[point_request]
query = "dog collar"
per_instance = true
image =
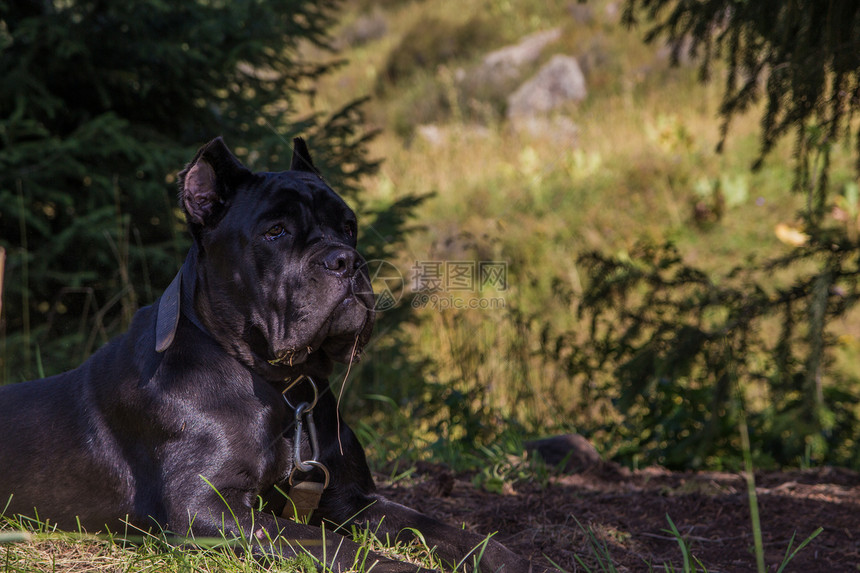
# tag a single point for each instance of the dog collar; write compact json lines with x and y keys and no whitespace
{"x":304,"y":495}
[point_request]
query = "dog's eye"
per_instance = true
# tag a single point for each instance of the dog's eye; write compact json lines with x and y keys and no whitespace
{"x":275,"y":231}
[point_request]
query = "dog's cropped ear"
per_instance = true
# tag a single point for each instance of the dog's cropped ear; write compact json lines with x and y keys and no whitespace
{"x":301,"y":157}
{"x":209,"y":182}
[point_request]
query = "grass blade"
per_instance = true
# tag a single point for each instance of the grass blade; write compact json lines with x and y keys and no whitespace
{"x":751,"y":493}
{"x":806,"y":542}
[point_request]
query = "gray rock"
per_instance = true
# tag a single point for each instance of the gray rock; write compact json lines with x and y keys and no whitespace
{"x":507,"y":62}
{"x":581,"y":13}
{"x":432,"y":134}
{"x":439,"y":135}
{"x":558,"y":82}
{"x":366,"y":28}
{"x":612,"y":12}
{"x":575,"y":452}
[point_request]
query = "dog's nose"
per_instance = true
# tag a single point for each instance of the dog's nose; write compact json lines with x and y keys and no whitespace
{"x":342,"y":262}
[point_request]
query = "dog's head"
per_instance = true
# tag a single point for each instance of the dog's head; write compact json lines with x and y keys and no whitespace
{"x":279,"y":282}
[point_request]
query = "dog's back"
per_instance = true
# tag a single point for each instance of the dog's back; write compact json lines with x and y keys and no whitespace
{"x":58,"y":431}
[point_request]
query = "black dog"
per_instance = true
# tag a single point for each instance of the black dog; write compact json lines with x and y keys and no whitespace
{"x":215,"y":403}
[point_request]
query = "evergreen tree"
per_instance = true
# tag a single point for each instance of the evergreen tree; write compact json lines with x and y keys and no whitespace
{"x":801,"y":56}
{"x":100,"y":104}
{"x":691,"y":350}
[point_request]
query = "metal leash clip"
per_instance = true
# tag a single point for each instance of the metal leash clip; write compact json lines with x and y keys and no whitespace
{"x":304,"y":496}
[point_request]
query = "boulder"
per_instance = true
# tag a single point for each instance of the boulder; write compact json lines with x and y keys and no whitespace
{"x":574,"y":451}
{"x":366,"y":28}
{"x":441,"y":135}
{"x":506,"y":63}
{"x":558,"y":82}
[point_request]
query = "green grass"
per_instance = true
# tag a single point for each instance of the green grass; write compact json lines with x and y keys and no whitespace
{"x":28,"y":545}
{"x":35,"y":547}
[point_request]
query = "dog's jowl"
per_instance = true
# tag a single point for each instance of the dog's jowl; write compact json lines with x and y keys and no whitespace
{"x":217,"y":397}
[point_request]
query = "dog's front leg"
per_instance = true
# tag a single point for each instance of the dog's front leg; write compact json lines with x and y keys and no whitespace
{"x":456,"y":547}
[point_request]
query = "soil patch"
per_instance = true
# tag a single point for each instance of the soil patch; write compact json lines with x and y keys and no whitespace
{"x":627,"y":514}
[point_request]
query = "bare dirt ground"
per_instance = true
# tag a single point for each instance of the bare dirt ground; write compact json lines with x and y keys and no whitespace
{"x":627,"y":511}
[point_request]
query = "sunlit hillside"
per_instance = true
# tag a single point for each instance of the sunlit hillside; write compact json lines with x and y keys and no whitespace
{"x":633,"y":161}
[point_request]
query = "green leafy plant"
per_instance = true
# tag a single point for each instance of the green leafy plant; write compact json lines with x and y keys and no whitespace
{"x":675,"y":339}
